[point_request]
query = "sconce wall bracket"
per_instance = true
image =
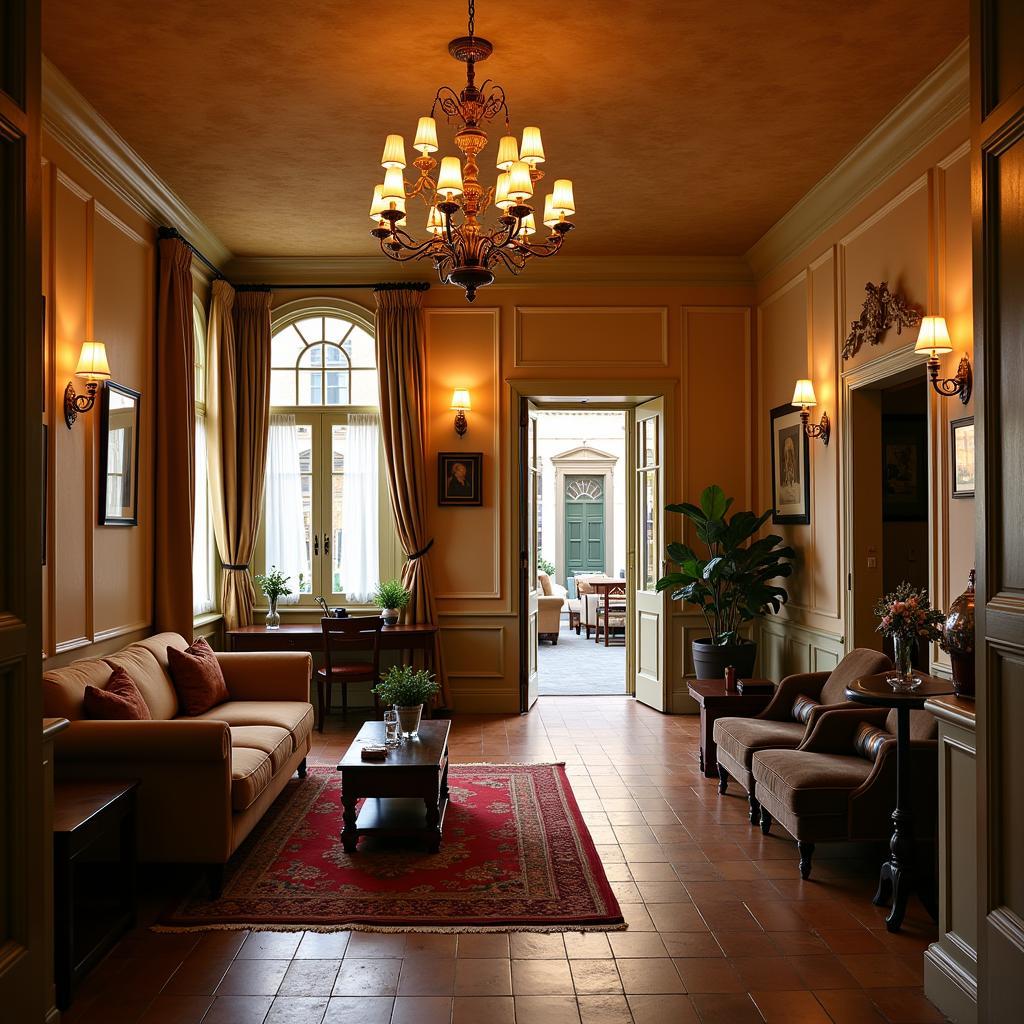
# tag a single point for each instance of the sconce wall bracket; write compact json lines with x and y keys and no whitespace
{"x":823,"y":429}
{"x":75,"y":403}
{"x":962,"y":384}
{"x":461,"y":423}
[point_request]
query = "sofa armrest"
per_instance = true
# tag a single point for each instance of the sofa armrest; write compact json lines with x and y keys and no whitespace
{"x":834,"y":728}
{"x":781,"y":705}
{"x":146,"y":741}
{"x":267,"y":675}
{"x":550,"y":601}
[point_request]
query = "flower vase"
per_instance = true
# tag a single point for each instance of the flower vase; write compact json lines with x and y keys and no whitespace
{"x":273,"y":616}
{"x":958,"y":640}
{"x":409,"y":720}
{"x":903,"y":677}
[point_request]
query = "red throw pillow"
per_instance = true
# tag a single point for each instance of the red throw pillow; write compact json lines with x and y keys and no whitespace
{"x":197,"y":677}
{"x":120,"y":700}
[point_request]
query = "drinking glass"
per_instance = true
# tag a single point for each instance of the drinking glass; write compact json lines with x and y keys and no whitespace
{"x":392,"y":733}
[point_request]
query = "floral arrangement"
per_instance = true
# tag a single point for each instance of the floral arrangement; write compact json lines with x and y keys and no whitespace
{"x":391,"y":594}
{"x":274,"y":583}
{"x":907,"y":613}
{"x":405,"y":687}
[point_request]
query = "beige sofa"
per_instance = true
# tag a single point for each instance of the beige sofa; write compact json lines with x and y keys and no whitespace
{"x":207,"y":780}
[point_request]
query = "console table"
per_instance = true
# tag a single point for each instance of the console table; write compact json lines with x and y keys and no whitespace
{"x":717,"y":702}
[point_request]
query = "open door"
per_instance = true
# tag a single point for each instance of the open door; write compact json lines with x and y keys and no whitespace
{"x":528,"y":586}
{"x":648,"y":541}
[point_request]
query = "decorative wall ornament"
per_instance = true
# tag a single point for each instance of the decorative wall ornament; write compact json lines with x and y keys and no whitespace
{"x":882,"y":310}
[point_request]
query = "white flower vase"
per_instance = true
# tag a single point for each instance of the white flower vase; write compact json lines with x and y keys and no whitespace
{"x":273,"y":616}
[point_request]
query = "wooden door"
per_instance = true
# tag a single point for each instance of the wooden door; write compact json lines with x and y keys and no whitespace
{"x":648,"y":646}
{"x":529,"y":588}
{"x":26,"y":988}
{"x":997,"y":155}
{"x":584,"y":525}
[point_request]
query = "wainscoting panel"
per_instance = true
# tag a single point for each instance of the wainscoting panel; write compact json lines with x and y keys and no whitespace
{"x":579,"y":336}
{"x":785,"y":648}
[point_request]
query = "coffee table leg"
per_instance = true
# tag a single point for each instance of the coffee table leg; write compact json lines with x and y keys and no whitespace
{"x":433,"y":823}
{"x":349,"y":835}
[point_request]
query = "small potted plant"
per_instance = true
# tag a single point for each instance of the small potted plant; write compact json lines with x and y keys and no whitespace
{"x":906,"y":615}
{"x":408,"y":689}
{"x":274,"y":585}
{"x":391,"y":597}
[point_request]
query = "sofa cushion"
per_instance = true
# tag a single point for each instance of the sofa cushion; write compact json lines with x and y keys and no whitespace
{"x":804,"y":782}
{"x":64,"y":688}
{"x":294,"y":716}
{"x":197,"y":677}
{"x":120,"y":700}
{"x":150,"y":676}
{"x":742,"y":737}
{"x":802,"y":708}
{"x":858,"y":663}
{"x":271,"y":739}
{"x":251,"y":772}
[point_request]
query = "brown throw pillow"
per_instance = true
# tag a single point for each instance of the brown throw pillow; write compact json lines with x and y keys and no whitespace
{"x":197,"y":677}
{"x":120,"y":700}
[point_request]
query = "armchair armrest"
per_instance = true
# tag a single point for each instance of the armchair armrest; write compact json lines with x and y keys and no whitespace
{"x":267,"y":675}
{"x":176,"y":740}
{"x":833,"y":729}
{"x":807,"y":683}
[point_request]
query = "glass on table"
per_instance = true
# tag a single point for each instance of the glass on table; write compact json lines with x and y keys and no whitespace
{"x":392,"y":732}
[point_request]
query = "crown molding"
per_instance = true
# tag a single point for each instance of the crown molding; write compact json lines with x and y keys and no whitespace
{"x":82,"y":130}
{"x":561,"y":270}
{"x":930,"y":108}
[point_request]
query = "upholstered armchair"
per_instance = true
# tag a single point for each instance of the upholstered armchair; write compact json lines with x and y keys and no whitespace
{"x":840,"y":784}
{"x":798,"y":702}
{"x":549,"y":608}
{"x":588,"y":603}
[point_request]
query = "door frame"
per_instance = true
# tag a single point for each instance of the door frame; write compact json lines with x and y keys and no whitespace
{"x":572,"y":463}
{"x":616,"y":396}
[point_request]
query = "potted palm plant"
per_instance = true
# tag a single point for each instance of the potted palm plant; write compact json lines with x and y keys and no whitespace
{"x":391,"y":597}
{"x":731,"y":585}
{"x":408,"y":689}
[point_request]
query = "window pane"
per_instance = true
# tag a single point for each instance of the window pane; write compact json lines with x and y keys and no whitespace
{"x":337,"y":387}
{"x":312,"y":329}
{"x":338,"y":433}
{"x":361,"y":347}
{"x":649,"y":538}
{"x":199,"y":333}
{"x":651,"y":442}
{"x":335,"y":328}
{"x":335,"y":357}
{"x":305,"y":438}
{"x":282,"y":387}
{"x":364,"y":387}
{"x":313,"y":356}
{"x":311,"y":386}
{"x":202,"y":547}
{"x":286,"y":347}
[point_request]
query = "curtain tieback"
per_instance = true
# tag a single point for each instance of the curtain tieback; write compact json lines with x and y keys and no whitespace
{"x":237,"y":567}
{"x":422,"y":551}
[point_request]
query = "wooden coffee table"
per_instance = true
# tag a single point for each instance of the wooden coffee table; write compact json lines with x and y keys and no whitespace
{"x":406,"y":795}
{"x":715,"y":702}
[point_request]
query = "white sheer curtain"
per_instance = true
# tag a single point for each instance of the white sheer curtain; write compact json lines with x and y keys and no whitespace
{"x":359,"y":509}
{"x":202,"y":556}
{"x":286,"y":528}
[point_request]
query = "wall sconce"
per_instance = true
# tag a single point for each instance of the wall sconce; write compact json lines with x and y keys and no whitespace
{"x":92,"y":368}
{"x":803,"y":396}
{"x":461,"y":405}
{"x":933,"y":341}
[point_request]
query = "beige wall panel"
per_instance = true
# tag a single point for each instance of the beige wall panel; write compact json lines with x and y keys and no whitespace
{"x":74,"y":470}
{"x":123,"y":273}
{"x":591,"y":336}
{"x":474,"y":651}
{"x":648,"y":646}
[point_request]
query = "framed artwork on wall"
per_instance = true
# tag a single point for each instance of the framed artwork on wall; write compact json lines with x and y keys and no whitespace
{"x":963,"y":457}
{"x":119,"y":456}
{"x":460,"y":478}
{"x":791,"y":468}
{"x":904,"y":468}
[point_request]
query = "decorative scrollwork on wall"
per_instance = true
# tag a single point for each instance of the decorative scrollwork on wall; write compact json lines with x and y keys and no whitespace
{"x":882,"y":310}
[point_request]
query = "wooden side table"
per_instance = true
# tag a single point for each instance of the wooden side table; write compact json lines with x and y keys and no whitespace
{"x":716,"y":703}
{"x":86,"y":922}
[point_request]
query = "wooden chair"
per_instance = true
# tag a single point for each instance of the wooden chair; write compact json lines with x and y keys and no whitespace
{"x":358,"y":633}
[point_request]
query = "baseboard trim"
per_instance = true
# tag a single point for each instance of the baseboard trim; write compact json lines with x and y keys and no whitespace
{"x":949,"y":986}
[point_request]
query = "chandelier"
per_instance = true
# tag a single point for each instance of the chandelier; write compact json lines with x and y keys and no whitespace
{"x":465,"y":251}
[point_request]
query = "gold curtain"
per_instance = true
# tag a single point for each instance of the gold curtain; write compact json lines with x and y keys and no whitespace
{"x":237,"y":417}
{"x":401,"y":371}
{"x":175,"y":441}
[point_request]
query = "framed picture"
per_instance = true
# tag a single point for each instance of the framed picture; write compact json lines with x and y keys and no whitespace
{"x":963,"y":457}
{"x":119,"y":456}
{"x":791,"y":468}
{"x":904,"y":468}
{"x":460,"y":478}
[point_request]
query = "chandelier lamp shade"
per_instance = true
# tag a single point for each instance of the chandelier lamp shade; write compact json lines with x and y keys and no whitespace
{"x":472,"y":229}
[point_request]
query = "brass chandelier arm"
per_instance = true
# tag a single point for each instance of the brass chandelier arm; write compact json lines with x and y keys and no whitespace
{"x":410,"y":250}
{"x":508,"y":257}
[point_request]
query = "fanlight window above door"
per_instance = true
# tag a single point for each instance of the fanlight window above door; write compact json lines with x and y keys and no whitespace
{"x":584,"y":488}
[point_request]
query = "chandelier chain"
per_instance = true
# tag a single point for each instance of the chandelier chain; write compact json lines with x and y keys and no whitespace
{"x":472,"y":17}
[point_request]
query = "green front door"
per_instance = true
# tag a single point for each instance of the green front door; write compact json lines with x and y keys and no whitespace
{"x":584,"y":524}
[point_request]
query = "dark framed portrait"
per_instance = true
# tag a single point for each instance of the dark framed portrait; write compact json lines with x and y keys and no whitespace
{"x":791,"y":468}
{"x":460,"y":478}
{"x":119,"y":456}
{"x":904,"y":468}
{"x":962,"y":447}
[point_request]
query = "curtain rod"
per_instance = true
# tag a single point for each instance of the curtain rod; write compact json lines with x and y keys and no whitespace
{"x":380,"y":286}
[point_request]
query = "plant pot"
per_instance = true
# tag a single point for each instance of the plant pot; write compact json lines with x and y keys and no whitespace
{"x":390,"y":616}
{"x":711,"y":660}
{"x":273,"y":616}
{"x":409,"y":720}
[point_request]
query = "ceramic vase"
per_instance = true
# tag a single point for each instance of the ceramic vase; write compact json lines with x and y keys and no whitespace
{"x":958,"y":640}
{"x":390,"y":616}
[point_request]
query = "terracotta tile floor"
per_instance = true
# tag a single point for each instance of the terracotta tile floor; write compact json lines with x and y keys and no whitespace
{"x":721,"y":928}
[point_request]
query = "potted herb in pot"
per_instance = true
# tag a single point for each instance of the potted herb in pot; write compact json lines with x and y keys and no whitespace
{"x":391,"y":597}
{"x":274,"y":585}
{"x":731,"y":585}
{"x":408,"y":689}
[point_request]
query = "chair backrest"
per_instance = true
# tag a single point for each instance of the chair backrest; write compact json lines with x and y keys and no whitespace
{"x":355,"y":633}
{"x":860,"y":662}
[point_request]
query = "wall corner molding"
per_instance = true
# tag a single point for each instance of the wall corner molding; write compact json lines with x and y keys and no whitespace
{"x":929,"y":109}
{"x":82,"y":130}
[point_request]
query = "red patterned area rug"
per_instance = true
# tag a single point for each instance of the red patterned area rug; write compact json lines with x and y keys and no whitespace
{"x":515,"y":854}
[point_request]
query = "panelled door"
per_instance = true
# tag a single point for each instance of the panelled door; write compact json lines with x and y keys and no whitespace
{"x":648,"y":543}
{"x":584,"y":524}
{"x":529,"y":590}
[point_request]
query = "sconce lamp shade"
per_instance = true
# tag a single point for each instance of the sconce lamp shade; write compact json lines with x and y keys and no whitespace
{"x":450,"y":178}
{"x":501,"y":196}
{"x":92,"y":363}
{"x":394,"y":184}
{"x":520,"y":184}
{"x":532,"y":149}
{"x":550,"y":217}
{"x":933,"y":337}
{"x":562,"y":200}
{"x":394,"y":152}
{"x":803,"y":394}
{"x":426,"y":136}
{"x":379,"y":203}
{"x":508,"y":152}
{"x":527,"y":227}
{"x":460,"y":400}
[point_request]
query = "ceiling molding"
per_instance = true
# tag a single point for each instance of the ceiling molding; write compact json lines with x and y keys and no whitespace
{"x":931,"y":107}
{"x":561,"y":270}
{"x":82,"y":130}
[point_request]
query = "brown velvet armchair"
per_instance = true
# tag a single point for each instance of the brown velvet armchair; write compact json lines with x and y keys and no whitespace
{"x":840,"y":783}
{"x":798,"y":702}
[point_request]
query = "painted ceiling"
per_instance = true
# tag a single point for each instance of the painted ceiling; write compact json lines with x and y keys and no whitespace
{"x":687,"y":127}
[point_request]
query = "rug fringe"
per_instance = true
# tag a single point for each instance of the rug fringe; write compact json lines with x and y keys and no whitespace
{"x":390,"y":929}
